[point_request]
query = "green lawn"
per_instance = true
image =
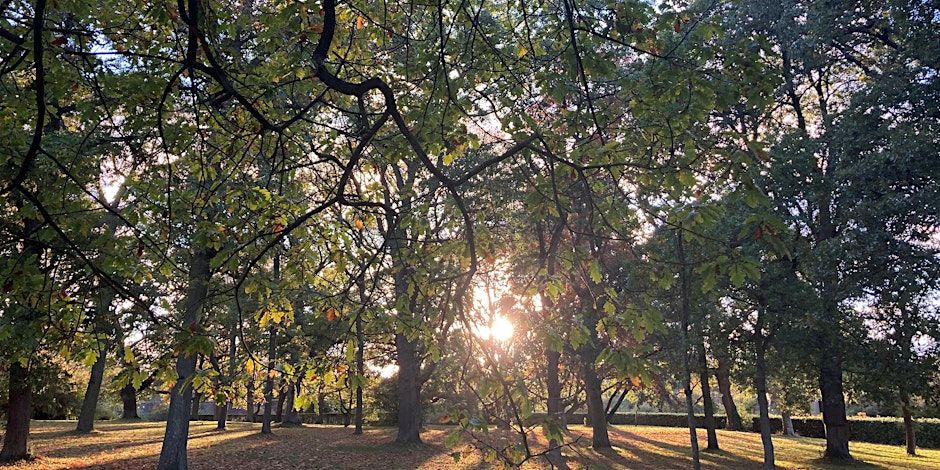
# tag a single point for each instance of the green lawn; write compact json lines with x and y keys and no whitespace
{"x":119,"y":445}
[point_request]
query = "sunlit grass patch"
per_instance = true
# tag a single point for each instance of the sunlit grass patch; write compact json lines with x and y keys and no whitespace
{"x":119,"y":445}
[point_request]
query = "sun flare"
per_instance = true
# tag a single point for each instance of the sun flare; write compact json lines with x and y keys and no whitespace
{"x":499,"y":329}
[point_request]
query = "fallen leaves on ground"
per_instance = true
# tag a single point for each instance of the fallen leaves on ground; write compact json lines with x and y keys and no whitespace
{"x":121,"y":445}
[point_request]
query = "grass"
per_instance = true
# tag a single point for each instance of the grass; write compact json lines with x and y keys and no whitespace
{"x":118,"y":445}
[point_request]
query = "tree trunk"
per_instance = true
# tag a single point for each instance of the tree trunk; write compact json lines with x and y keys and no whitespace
{"x":232,"y":351}
{"x":194,"y":407}
{"x":555,"y":409}
{"x":221,"y":416}
{"x":613,"y":407}
{"x":269,"y":381}
{"x":360,"y":367}
{"x":760,"y":384}
{"x":787,"y":421}
{"x":129,"y":399}
{"x":250,"y":400}
{"x":173,"y":453}
{"x":733,"y":422}
{"x":684,"y":307}
{"x":291,"y":415}
{"x":909,"y":440}
{"x":86,"y":418}
{"x":707,"y":399}
{"x":409,"y":403}
{"x":595,"y":402}
{"x":321,"y":406}
{"x":833,"y":406}
{"x":281,"y":397}
{"x":19,"y":408}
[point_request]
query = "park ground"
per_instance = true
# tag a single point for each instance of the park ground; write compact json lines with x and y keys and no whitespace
{"x":121,"y":445}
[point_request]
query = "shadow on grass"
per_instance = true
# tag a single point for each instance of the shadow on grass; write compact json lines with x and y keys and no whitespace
{"x":827,"y":463}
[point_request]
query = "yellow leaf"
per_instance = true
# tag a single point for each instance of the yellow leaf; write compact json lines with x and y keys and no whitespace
{"x":521,"y":51}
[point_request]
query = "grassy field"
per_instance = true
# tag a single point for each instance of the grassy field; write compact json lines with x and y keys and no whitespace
{"x":119,"y":445}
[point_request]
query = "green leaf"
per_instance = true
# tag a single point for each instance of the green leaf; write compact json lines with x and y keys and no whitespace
{"x":595,"y":272}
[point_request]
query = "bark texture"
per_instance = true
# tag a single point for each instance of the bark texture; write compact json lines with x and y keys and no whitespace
{"x":909,"y":438}
{"x":833,"y":407}
{"x":707,"y":400}
{"x":760,"y":384}
{"x":723,"y":376}
{"x":409,"y":403}
{"x":173,"y":453}
{"x":86,"y":418}
{"x":19,"y":408}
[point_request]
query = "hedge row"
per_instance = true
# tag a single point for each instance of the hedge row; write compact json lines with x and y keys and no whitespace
{"x":673,"y":420}
{"x":875,"y":430}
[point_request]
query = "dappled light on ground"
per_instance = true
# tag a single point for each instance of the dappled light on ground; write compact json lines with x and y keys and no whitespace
{"x":120,"y":445}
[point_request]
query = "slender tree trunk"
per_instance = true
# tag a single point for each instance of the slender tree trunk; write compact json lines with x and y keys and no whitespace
{"x":194,"y":407}
{"x":595,"y":402}
{"x":232,"y":351}
{"x":833,"y":406}
{"x":269,"y":381}
{"x":360,"y":369}
{"x":173,"y":453}
{"x":787,"y":420}
{"x":684,"y":307}
{"x":760,"y":384}
{"x":909,"y":438}
{"x":129,"y":400}
{"x":409,"y":403}
{"x":291,"y":415}
{"x":221,"y":416}
{"x":555,"y":409}
{"x":613,"y":407}
{"x":250,"y":400}
{"x":707,"y":399}
{"x":19,"y":408}
{"x":86,"y":418}
{"x":548,"y":252}
{"x":733,"y":422}
{"x":321,"y":406}
{"x":281,"y":398}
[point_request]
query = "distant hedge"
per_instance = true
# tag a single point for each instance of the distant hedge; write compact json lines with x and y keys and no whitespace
{"x":875,"y":430}
{"x":672,"y":420}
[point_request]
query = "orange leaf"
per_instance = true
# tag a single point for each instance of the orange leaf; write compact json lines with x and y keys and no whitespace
{"x":360,"y":22}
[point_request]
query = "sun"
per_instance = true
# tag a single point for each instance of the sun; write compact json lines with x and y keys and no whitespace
{"x":501,"y":328}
